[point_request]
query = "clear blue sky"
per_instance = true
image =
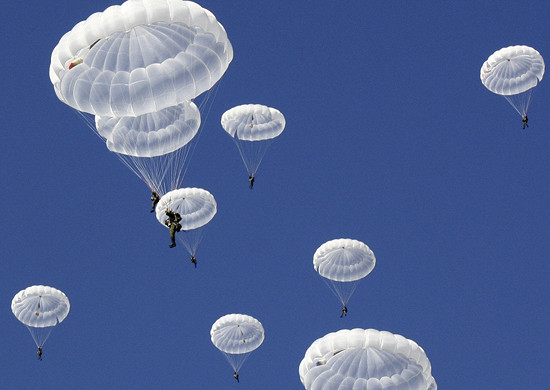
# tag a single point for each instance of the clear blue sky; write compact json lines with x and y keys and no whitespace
{"x":391,"y":139}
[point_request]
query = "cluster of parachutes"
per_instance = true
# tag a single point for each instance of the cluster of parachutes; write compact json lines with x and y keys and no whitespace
{"x":513,"y":72}
{"x":359,"y":359}
{"x":138,"y":68}
{"x":42,"y":308}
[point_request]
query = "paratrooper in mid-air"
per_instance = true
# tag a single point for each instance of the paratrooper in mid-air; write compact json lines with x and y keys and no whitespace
{"x":173,"y":222}
{"x":344,"y":311}
{"x":155,"y":197}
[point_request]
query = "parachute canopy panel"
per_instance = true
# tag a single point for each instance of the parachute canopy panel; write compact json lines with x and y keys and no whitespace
{"x":40,"y":306}
{"x":512,"y":70}
{"x":139,"y":57}
{"x":366,"y":359}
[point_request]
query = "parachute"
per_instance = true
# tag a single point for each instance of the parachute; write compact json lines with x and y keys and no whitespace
{"x":236,"y":336}
{"x":343,"y":263}
{"x":140,"y":57}
{"x":154,"y":146}
{"x":513,"y":72}
{"x":253,"y":127}
{"x":136,"y":67}
{"x":40,"y":308}
{"x":196,"y":207}
{"x":366,"y":359}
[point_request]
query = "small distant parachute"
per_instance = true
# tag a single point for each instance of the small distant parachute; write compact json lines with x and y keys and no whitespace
{"x":513,"y":72}
{"x":343,"y":263}
{"x":155,"y":146}
{"x":253,"y":127}
{"x":196,"y":207}
{"x":236,"y":336}
{"x":40,"y":308}
{"x":366,"y":359}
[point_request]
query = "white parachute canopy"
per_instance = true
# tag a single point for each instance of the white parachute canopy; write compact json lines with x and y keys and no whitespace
{"x":196,"y":207}
{"x":342,"y":263}
{"x":40,"y":308}
{"x":155,"y":146}
{"x":253,"y":127}
{"x":513,"y":72}
{"x":140,"y":57}
{"x":236,"y":336}
{"x":366,"y":359}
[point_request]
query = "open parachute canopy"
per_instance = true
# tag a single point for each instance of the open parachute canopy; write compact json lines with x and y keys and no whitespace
{"x":236,"y":336}
{"x":155,"y":146}
{"x":253,"y":127}
{"x":366,"y":359}
{"x":40,"y":308}
{"x":140,"y":57}
{"x":343,"y":263}
{"x":196,"y":208}
{"x":512,"y":72}
{"x":153,"y":134}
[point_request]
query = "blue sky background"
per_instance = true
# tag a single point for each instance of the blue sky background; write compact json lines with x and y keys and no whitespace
{"x":391,"y":139}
